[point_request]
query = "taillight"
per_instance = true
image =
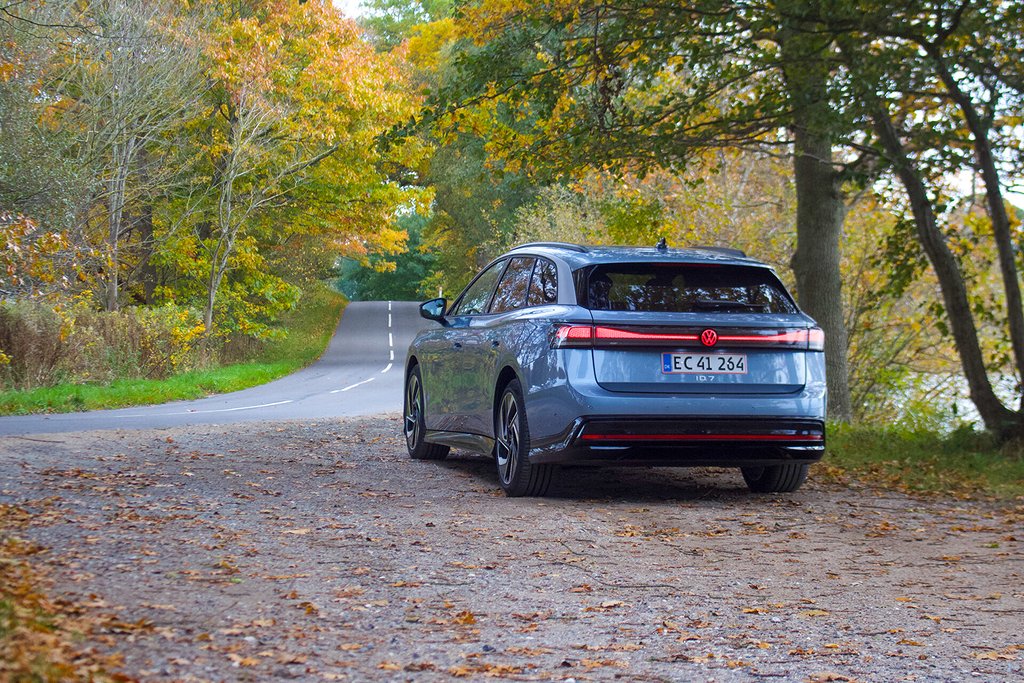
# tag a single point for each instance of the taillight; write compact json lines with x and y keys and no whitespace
{"x":815,"y":339}
{"x":587,"y":336}
{"x":617,"y":334}
{"x":572,"y":336}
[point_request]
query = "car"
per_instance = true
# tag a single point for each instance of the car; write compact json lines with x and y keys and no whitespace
{"x":561,"y":354}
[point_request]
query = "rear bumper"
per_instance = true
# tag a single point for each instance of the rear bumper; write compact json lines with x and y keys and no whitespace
{"x":679,"y":440}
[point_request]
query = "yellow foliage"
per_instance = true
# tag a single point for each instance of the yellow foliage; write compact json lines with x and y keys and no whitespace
{"x":425,"y":47}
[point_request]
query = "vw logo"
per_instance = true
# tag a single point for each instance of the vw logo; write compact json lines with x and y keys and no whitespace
{"x":708,"y":337}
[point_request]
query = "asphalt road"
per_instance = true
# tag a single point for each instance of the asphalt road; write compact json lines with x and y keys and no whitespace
{"x":359,"y":374}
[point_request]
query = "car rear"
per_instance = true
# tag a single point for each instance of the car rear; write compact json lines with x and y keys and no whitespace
{"x":688,"y":359}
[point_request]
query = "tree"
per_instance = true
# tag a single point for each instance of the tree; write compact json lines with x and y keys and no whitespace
{"x":131,"y":79}
{"x":297,"y":99}
{"x":401,"y":279}
{"x":392,"y":21}
{"x":938,"y":84}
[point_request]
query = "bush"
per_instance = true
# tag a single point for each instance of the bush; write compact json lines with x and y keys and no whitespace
{"x":43,"y":346}
{"x":32,"y":345}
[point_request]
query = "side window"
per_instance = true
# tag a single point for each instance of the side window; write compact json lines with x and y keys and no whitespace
{"x":475,"y":299}
{"x":515,"y":283}
{"x":544,"y":286}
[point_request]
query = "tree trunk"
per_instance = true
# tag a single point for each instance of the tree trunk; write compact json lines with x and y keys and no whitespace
{"x":148,"y":274}
{"x":820,"y":210}
{"x":815,"y":263}
{"x":1001,"y":231}
{"x":998,"y":418}
{"x":114,"y":215}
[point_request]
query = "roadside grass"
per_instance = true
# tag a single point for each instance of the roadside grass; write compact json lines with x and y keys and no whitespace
{"x":309,"y":326}
{"x":964,"y":464}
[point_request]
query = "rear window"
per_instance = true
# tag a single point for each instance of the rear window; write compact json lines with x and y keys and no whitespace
{"x":681,"y":288}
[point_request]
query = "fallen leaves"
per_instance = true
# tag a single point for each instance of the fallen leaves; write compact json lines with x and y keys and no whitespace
{"x":465,"y":618}
{"x":605,"y":606}
{"x":37,"y":633}
{"x":829,"y":677}
{"x":1006,"y":654}
{"x":488,"y":670}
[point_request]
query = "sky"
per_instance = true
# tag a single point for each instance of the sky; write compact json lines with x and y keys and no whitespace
{"x":351,"y":8}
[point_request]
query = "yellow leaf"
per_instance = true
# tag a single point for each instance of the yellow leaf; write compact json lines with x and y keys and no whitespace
{"x":465,"y":617}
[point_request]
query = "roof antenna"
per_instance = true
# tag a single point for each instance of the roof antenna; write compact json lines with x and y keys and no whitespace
{"x":662,"y":245}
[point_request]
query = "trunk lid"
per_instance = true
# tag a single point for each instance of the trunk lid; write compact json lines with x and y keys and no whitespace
{"x":664,"y":353}
{"x":695,"y":328}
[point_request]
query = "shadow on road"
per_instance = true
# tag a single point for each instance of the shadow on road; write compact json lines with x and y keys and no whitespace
{"x":618,"y":484}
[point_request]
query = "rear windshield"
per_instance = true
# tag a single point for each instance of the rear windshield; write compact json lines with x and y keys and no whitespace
{"x":681,"y":288}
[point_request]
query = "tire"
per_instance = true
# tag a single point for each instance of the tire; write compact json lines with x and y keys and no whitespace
{"x":516,"y":474}
{"x":414,"y":426}
{"x":775,"y":478}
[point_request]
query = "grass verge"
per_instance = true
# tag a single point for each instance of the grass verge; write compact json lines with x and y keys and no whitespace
{"x":309,"y":326}
{"x":965,"y":464}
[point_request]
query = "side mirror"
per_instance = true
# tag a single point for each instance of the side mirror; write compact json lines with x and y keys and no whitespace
{"x":434,"y":310}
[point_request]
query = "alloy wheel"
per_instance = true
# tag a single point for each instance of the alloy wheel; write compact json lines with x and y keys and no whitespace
{"x":413,"y":411}
{"x":507,"y":449}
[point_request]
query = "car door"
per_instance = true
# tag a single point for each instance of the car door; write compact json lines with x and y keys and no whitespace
{"x":488,"y":333}
{"x":466,"y":342}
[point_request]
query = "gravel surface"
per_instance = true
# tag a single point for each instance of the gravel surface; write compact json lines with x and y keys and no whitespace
{"x":319,"y":551}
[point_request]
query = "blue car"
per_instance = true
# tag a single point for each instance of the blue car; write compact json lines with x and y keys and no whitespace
{"x":564,"y":354}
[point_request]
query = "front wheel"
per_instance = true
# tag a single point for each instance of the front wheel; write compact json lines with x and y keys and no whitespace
{"x":775,"y":478}
{"x":517,"y":475}
{"x":415,"y":427}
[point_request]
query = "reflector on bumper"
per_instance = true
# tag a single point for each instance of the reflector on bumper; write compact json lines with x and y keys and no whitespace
{"x":659,"y":432}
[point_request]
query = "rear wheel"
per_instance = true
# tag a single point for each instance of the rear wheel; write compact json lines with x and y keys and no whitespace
{"x":517,"y":475}
{"x":784,"y":478}
{"x":414,"y":424}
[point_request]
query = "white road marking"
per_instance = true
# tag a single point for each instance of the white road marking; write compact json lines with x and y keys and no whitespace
{"x":353,"y":386}
{"x":218,"y":410}
{"x":391,"y":343}
{"x":228,"y":410}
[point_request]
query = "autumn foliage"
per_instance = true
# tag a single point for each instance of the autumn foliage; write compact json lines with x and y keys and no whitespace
{"x":205,"y":160}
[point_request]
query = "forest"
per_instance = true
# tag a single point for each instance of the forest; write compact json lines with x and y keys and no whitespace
{"x":177,"y":177}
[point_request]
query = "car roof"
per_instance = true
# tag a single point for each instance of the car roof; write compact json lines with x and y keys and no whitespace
{"x":578,"y":256}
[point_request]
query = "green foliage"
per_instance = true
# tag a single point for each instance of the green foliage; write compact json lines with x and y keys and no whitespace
{"x":391,"y":21}
{"x":399,"y":278}
{"x":474,"y":203}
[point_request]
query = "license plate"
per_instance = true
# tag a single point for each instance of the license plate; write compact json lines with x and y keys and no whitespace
{"x":704,"y":363}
